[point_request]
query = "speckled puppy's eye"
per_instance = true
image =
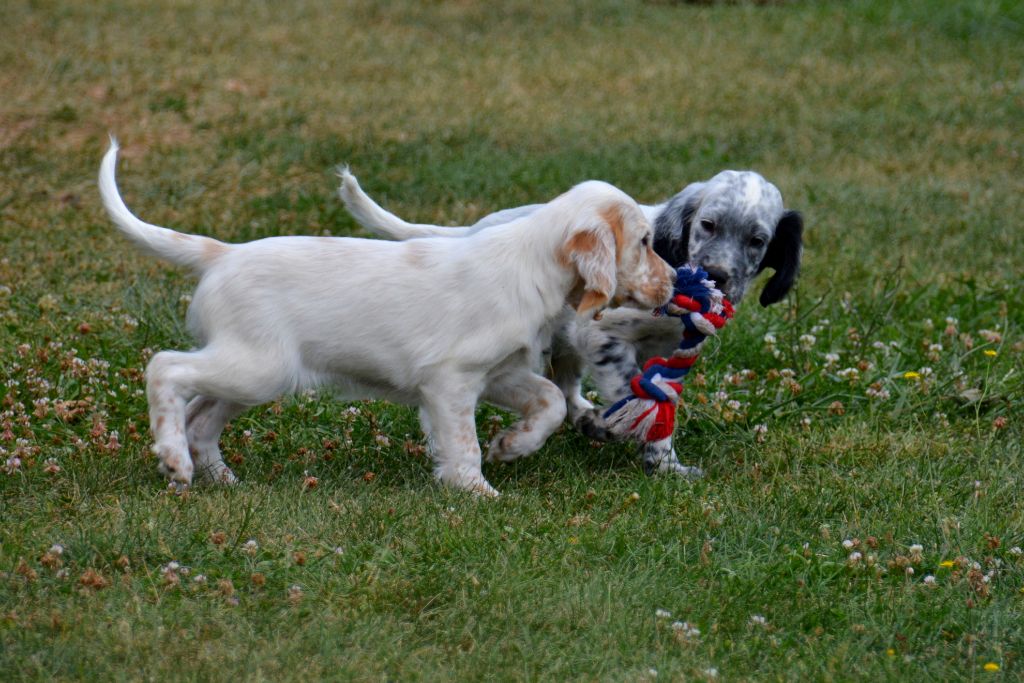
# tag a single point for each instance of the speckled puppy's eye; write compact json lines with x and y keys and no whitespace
{"x":756,"y":242}
{"x":707,"y":224}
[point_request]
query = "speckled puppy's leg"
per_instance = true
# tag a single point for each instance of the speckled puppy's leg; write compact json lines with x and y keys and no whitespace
{"x":612,"y":364}
{"x":660,"y":457}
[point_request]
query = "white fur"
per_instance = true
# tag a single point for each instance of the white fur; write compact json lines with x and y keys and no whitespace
{"x":437,"y":323}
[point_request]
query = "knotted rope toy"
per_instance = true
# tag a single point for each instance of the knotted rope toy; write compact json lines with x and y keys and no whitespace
{"x":649,"y":413}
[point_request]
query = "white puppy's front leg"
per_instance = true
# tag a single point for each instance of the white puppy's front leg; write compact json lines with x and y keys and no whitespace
{"x":449,"y":410}
{"x":537,"y":400}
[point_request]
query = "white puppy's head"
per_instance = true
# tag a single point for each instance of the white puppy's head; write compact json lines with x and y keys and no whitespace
{"x":610,"y":248}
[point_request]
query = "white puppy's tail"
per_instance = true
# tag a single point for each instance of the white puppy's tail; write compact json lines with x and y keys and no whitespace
{"x":193,"y":251}
{"x":371,"y":216}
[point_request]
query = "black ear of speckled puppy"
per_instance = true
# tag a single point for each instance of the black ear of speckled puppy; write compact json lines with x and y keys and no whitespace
{"x":672,"y":231}
{"x":783,"y":256}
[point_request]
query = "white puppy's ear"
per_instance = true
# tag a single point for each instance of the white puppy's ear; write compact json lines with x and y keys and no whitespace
{"x":591,"y":253}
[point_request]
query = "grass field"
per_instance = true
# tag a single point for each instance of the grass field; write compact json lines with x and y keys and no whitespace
{"x":871,"y":529}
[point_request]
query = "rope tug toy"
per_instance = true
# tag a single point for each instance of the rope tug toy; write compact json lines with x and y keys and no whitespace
{"x":649,"y":413}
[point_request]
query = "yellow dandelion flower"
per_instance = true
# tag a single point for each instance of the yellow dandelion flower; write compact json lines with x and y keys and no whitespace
{"x":947,"y":563}
{"x":991,"y":354}
{"x":891,"y":652}
{"x":990,"y":666}
{"x":910,"y":374}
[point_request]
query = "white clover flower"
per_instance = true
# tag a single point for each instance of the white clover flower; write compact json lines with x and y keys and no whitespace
{"x":760,"y":432}
{"x":929,"y":580}
{"x":662,"y":614}
{"x":57,"y":549}
{"x":854,"y":557}
{"x":684,"y":629}
{"x":850,"y":374}
{"x":250,"y":547}
{"x":1015,"y":550}
{"x":769,"y":339}
{"x":711,"y":672}
{"x":338,"y":550}
{"x":758,"y":620}
{"x":199,"y":579}
{"x":878,"y":393}
{"x":807,"y":341}
{"x":831,"y":359}
{"x":909,"y":571}
{"x":991,"y":336}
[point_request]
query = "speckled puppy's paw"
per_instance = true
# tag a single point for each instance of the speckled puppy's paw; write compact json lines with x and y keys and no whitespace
{"x":591,"y":424}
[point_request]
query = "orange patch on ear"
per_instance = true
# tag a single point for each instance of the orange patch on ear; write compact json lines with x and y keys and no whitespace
{"x":612,"y":215}
{"x":580,"y":243}
{"x":592,"y":300}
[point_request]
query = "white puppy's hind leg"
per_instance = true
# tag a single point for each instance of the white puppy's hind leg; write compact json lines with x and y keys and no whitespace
{"x":206,"y":418}
{"x":167,"y":416}
{"x":234,"y":374}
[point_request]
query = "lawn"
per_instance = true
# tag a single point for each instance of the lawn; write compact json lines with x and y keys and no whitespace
{"x":860,"y":517}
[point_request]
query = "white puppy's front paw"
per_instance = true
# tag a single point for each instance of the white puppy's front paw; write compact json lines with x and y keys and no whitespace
{"x":467,"y":479}
{"x":502,"y":447}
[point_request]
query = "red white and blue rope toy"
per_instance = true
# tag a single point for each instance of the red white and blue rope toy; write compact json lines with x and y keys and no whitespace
{"x":649,"y":413}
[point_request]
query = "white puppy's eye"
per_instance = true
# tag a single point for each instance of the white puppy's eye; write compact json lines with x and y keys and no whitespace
{"x":646,"y":241}
{"x":707,"y":224}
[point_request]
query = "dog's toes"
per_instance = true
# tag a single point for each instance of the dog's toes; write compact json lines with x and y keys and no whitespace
{"x":173,"y":466}
{"x":501,"y":448}
{"x":592,"y":427}
{"x":217,"y":474}
{"x":467,"y":479}
{"x":676,"y":468}
{"x":484,"y":489}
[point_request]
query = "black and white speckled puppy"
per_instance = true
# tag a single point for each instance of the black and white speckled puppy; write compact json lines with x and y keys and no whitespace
{"x":733,"y":225}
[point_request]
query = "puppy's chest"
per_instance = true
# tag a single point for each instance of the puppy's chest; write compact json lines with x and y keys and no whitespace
{"x":651,"y":336}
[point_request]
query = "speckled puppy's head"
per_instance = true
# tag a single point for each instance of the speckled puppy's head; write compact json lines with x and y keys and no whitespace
{"x":734,"y":226}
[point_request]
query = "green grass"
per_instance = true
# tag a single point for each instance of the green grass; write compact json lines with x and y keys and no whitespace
{"x":894,"y":127}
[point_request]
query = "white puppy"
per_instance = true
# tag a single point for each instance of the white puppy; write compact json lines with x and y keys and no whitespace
{"x":437,"y":323}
